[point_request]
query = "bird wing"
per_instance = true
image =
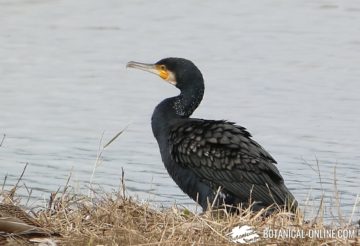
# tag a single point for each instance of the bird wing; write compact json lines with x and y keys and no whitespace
{"x":225,"y":155}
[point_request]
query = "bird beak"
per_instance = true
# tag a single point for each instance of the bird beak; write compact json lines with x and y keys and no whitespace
{"x":155,"y":69}
{"x":143,"y":66}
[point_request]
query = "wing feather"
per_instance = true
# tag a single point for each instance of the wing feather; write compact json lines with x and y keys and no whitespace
{"x":225,"y":155}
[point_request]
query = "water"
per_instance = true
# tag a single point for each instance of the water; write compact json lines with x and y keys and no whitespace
{"x":286,"y":70}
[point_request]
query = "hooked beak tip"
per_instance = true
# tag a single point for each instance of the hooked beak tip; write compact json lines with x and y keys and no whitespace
{"x":130,"y":64}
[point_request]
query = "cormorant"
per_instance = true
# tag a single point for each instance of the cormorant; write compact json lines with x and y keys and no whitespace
{"x":215,"y":162}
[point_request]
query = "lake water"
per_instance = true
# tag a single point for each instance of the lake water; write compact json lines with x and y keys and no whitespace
{"x":286,"y":70}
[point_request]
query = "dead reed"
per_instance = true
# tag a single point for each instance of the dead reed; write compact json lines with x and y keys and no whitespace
{"x":118,"y":219}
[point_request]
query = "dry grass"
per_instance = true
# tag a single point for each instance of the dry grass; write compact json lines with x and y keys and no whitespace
{"x":117,"y":219}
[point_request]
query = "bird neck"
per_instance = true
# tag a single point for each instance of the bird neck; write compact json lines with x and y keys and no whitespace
{"x":188,"y":100}
{"x":173,"y":108}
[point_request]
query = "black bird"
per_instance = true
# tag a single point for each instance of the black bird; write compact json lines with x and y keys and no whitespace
{"x":215,"y":162}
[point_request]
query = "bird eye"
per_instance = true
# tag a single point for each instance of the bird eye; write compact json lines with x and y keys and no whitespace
{"x":163,"y":67}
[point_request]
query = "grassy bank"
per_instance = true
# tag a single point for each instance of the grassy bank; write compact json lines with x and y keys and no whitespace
{"x":118,"y":219}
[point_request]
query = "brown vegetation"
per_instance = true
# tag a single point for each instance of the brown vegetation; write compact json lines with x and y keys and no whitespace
{"x":117,"y":219}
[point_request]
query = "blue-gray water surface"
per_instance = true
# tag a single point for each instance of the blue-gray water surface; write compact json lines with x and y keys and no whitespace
{"x":286,"y":70}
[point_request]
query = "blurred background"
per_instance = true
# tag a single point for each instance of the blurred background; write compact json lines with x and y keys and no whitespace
{"x":288,"y":71}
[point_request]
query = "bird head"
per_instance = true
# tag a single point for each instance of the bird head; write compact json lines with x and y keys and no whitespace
{"x":179,"y":72}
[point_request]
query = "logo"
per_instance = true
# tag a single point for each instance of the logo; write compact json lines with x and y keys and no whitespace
{"x":244,"y":235}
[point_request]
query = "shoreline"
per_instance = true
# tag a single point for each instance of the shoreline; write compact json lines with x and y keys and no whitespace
{"x":118,"y":219}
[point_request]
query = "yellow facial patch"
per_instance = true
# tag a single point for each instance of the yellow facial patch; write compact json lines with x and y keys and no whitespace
{"x":162,"y":71}
{"x":165,"y":74}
